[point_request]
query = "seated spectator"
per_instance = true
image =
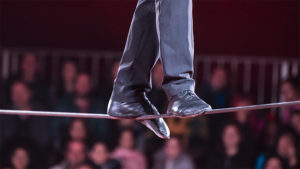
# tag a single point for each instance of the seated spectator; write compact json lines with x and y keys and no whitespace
{"x":20,"y":158}
{"x":133,"y":125}
{"x":29,"y":75}
{"x":126,"y":153}
{"x":247,"y":121}
{"x":100,"y":157}
{"x":295,"y":123}
{"x":20,"y":153}
{"x":285,"y":148}
{"x":290,"y":92}
{"x":273,"y":162}
{"x":77,"y":130}
{"x":75,"y":155}
{"x":172,"y":156}
{"x":231,"y":154}
{"x":80,"y":101}
{"x":216,"y":93}
{"x":35,"y":127}
{"x":268,"y":136}
{"x":67,"y":83}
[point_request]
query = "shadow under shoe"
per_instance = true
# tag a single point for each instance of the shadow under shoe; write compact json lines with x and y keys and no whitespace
{"x":187,"y":104}
{"x":133,"y":110}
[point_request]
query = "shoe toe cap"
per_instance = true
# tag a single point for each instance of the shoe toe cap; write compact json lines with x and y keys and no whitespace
{"x":158,"y":126}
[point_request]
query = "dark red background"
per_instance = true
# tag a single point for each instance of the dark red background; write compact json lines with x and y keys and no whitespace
{"x":268,"y":28}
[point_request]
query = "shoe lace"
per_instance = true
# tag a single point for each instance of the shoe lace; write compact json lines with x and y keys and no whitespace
{"x":190,"y":94}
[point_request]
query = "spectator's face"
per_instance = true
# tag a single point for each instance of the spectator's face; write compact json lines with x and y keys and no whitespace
{"x":75,"y":153}
{"x":114,"y":71}
{"x":83,"y":85}
{"x":20,"y":94}
{"x":231,"y":136}
{"x":273,"y":163}
{"x":172,"y":148}
{"x":295,"y":120}
{"x":242,"y":116}
{"x":126,"y":140}
{"x":29,"y":64}
{"x":20,"y":159}
{"x":285,"y":147}
{"x":158,"y":74}
{"x":218,"y":79}
{"x":77,"y":130}
{"x":99,"y":154}
{"x":69,"y":71}
{"x":288,"y":92}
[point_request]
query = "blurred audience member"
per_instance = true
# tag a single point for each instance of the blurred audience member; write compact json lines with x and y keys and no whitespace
{"x":268,"y":136}
{"x":126,"y":153}
{"x":295,"y":122}
{"x":290,"y":92}
{"x":100,"y":157}
{"x":35,"y":127}
{"x":273,"y":162}
{"x":172,"y":156}
{"x":133,"y":125}
{"x":20,"y":159}
{"x":67,"y":83}
{"x":29,"y":75}
{"x":20,"y":153}
{"x":285,"y":148}
{"x":247,"y":121}
{"x":231,"y":154}
{"x":80,"y":101}
{"x":217,"y":94}
{"x":77,"y":130}
{"x":75,"y":155}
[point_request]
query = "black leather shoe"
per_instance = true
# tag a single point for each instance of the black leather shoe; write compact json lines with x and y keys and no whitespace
{"x":187,"y":104}
{"x":136,"y":109}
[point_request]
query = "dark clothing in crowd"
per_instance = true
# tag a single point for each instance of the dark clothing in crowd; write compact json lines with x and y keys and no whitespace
{"x":261,"y":160}
{"x":39,"y":89}
{"x":219,"y":159}
{"x":36,"y":156}
{"x":58,"y":92}
{"x":217,"y":100}
{"x":34,"y":127}
{"x":247,"y":136}
{"x":67,"y":104}
{"x":110,"y":164}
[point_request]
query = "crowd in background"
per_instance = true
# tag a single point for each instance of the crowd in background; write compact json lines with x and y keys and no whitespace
{"x":245,"y":139}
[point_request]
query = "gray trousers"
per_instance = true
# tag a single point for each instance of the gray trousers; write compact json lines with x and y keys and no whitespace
{"x":159,"y":29}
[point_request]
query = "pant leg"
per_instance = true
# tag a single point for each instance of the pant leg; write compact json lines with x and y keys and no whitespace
{"x":176,"y":44}
{"x":140,"y":54}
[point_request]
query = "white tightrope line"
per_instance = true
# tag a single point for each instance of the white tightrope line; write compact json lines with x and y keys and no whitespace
{"x":105,"y":116}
